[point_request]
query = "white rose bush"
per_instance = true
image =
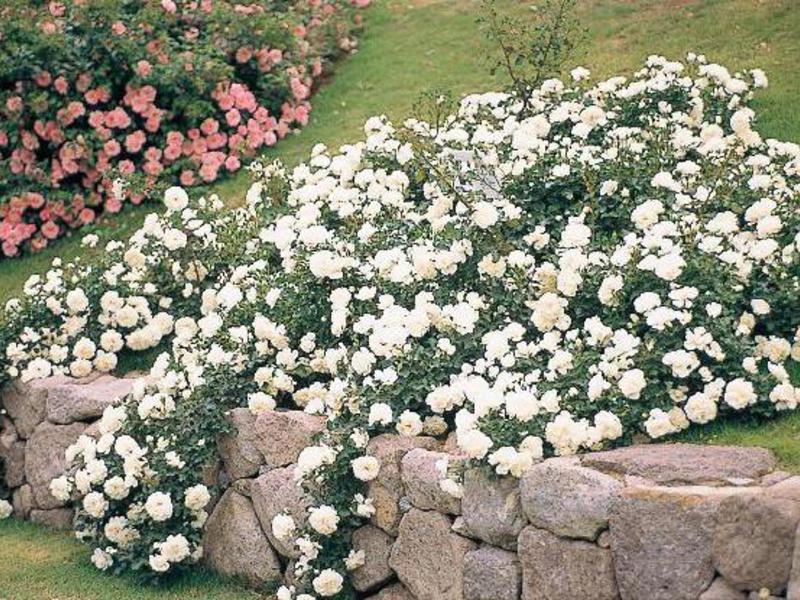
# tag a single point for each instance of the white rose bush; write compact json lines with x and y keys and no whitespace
{"x":541,"y":278}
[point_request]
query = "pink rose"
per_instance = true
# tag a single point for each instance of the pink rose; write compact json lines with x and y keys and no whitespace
{"x":135,"y":141}
{"x":187,"y":178}
{"x":143,"y":68}
{"x":112,"y":148}
{"x":232,"y":163}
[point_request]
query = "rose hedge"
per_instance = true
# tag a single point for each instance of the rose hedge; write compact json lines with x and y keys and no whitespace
{"x":614,"y":259}
{"x":101,"y":101}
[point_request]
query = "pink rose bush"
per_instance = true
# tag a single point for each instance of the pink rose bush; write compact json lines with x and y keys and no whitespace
{"x":102,"y":105}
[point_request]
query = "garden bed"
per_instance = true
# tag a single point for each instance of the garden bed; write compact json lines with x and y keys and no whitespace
{"x":528,"y":280}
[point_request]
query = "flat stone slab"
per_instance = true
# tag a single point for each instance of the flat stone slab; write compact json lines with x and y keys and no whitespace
{"x":684,"y":463}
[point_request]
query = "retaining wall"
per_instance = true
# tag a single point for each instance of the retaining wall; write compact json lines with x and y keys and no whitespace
{"x":650,"y":522}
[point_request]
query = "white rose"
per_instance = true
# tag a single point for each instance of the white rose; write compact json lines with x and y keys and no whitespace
{"x":328,"y":583}
{"x":260,"y":402}
{"x":740,"y":393}
{"x":283,"y":527}
{"x":175,"y":548}
{"x":159,"y":506}
{"x":61,"y":488}
{"x":474,"y":443}
{"x":176,"y":198}
{"x":77,"y":301}
{"x":484,"y":215}
{"x":95,"y":504}
{"x":366,"y":468}
{"x":158,"y":563}
{"x":380,"y":413}
{"x":116,"y":488}
{"x":632,"y":383}
{"x":700,"y":408}
{"x":196,"y":497}
{"x":323,"y":519}
{"x":101,"y":559}
{"x":409,"y":424}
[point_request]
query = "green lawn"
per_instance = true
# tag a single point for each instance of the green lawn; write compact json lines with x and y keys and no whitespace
{"x":409,"y":46}
{"x":36,"y":564}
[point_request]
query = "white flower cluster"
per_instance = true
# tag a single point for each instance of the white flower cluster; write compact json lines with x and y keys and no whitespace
{"x":77,"y":318}
{"x":612,"y":259}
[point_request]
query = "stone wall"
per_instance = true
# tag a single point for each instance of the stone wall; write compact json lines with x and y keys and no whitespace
{"x":651,"y":522}
{"x":40,"y":421}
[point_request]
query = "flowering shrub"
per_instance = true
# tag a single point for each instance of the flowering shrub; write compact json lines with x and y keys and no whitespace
{"x":614,"y":259}
{"x":101,"y":100}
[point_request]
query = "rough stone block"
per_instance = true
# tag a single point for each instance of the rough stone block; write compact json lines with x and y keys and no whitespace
{"x":554,"y":568}
{"x":234,"y":544}
{"x":428,"y":557}
{"x":567,"y":499}
{"x":491,"y":508}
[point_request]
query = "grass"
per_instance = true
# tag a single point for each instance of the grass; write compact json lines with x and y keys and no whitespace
{"x":36,"y":564}
{"x":410,"y":46}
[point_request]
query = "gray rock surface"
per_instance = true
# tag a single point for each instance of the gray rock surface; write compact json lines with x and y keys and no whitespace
{"x":26,"y":403}
{"x":234,"y":544}
{"x":22,"y":501}
{"x":387,"y":489}
{"x":44,"y":459}
{"x":661,"y":539}
{"x":83,"y":399}
{"x":282,"y":435}
{"x":57,"y":518}
{"x":684,"y":463}
{"x":554,"y":568}
{"x":428,"y":557}
{"x":491,"y":508}
{"x":276,"y":492}
{"x":567,"y":499}
{"x":396,"y":591}
{"x":754,"y":540}
{"x":377,"y":545}
{"x":421,"y":479}
{"x":492,"y":573}
{"x":722,"y":590}
{"x":239,"y":449}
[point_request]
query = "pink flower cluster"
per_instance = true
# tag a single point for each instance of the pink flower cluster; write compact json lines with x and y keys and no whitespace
{"x":67,"y":138}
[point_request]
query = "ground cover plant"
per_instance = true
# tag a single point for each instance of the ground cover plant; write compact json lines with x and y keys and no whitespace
{"x":104,"y":102}
{"x":343,"y":527}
